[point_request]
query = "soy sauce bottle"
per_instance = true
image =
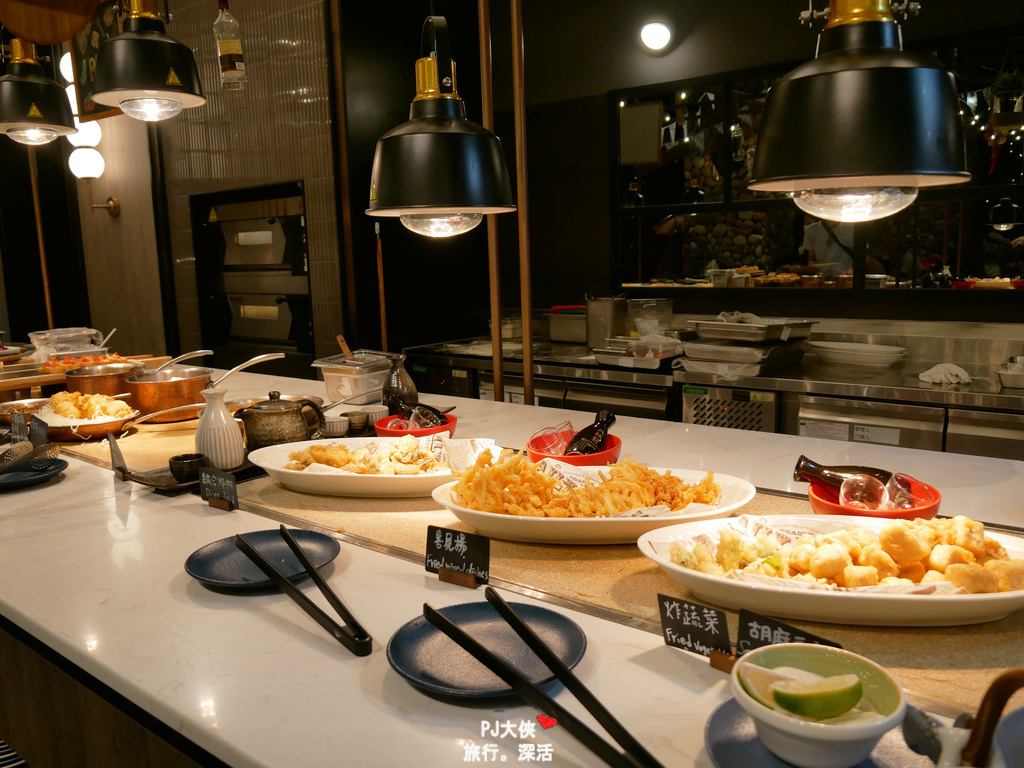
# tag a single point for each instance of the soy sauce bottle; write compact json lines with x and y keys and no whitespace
{"x":592,"y":439}
{"x":831,"y":477}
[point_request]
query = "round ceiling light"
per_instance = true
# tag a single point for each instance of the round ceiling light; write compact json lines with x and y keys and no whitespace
{"x":655,"y":35}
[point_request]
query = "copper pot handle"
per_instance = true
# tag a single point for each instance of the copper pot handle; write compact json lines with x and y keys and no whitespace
{"x":979,"y":745}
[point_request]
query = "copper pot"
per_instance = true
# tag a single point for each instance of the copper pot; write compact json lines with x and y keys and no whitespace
{"x":171,"y":387}
{"x":106,"y":379}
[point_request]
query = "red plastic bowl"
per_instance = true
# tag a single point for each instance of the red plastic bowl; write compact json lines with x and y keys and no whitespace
{"x":824,"y":503}
{"x":383,"y":431}
{"x":610,"y":454}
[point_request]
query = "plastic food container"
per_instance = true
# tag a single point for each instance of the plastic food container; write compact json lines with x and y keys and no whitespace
{"x":357,"y":378}
{"x":655,"y":309}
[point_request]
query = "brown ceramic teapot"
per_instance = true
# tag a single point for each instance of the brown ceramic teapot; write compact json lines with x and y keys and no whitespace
{"x":276,"y":421}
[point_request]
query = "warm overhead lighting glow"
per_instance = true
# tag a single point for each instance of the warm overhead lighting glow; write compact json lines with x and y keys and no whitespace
{"x":151,"y":109}
{"x":682,"y":95}
{"x":655,"y":35}
{"x":668,"y":118}
{"x":439,"y":225}
{"x":86,"y":163}
{"x":67,"y":70}
{"x":1003,"y":227}
{"x":853,"y":204}
{"x":622,"y":103}
{"x":32,"y":136}
{"x":89,"y":134}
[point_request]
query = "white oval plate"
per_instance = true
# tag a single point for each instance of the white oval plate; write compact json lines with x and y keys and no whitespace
{"x":274,"y":457}
{"x":888,"y":610}
{"x":596,"y":530}
{"x":852,"y":353}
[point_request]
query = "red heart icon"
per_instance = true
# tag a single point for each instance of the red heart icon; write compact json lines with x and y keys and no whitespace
{"x":546,"y":722}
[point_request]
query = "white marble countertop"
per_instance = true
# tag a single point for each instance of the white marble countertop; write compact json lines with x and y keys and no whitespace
{"x":93,"y":568}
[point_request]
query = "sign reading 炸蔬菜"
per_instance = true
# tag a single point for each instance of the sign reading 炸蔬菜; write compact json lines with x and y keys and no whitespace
{"x":458,"y":552}
{"x":218,"y":488}
{"x":757,"y":630}
{"x":19,"y":428}
{"x":693,"y":627}
{"x":38,"y":432}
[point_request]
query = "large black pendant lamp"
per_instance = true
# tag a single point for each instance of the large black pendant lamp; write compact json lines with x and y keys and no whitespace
{"x":149,"y":75}
{"x":34,"y":110}
{"x":853,"y":134}
{"x":438,"y":172}
{"x":1005,"y":215}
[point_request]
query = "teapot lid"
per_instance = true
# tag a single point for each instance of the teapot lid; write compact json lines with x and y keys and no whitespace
{"x":274,"y":405}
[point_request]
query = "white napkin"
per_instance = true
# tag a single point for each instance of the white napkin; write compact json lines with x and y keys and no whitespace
{"x":945,"y":373}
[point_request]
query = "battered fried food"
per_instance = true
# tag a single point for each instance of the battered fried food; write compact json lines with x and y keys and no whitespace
{"x":404,"y":457}
{"x":513,"y":485}
{"x":75,"y":405}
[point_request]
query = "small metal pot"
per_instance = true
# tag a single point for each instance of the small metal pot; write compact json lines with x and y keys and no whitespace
{"x":277,"y":421}
{"x":177,"y":385}
{"x":107,"y":379}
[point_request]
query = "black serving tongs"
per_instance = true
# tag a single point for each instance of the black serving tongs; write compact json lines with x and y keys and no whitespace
{"x":351,"y":635}
{"x":634,"y":756}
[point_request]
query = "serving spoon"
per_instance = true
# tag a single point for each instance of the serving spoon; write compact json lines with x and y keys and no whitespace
{"x":36,"y":459}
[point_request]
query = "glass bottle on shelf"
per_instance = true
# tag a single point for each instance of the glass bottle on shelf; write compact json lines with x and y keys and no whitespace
{"x":694,"y":194}
{"x":399,"y":382}
{"x":228,"y":33}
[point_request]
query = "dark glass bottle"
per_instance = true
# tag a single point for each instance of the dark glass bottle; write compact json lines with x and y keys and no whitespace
{"x":592,"y":439}
{"x":398,"y":382}
{"x":428,"y":414}
{"x":832,"y":476}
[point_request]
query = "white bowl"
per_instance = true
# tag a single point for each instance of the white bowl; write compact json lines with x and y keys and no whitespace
{"x":808,"y":744}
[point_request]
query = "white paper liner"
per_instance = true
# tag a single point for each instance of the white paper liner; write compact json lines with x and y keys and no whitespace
{"x":787,"y":534}
{"x":46,"y":414}
{"x":459,"y":453}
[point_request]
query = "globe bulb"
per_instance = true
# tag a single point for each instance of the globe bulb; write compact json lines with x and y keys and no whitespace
{"x":853,"y":204}
{"x":1002,"y":227}
{"x":86,"y":163}
{"x":655,"y":35}
{"x":440,"y":225}
{"x":33,"y":136}
{"x":73,"y":98}
{"x":67,"y":69}
{"x":151,"y":109}
{"x":89,"y":134}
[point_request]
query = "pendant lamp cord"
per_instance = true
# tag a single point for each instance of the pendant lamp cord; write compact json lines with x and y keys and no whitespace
{"x":434,"y":42}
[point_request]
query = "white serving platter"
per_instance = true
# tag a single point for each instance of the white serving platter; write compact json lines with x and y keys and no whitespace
{"x":833,"y":607}
{"x":853,"y":353}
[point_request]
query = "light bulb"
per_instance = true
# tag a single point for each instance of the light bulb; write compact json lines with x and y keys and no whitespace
{"x":33,"y":136}
{"x":854,"y":203}
{"x":89,"y":134}
{"x":1002,"y":227}
{"x":655,"y":35}
{"x":151,"y":109}
{"x":86,"y":163}
{"x":440,"y":225}
{"x":67,"y":69}
{"x":73,"y":98}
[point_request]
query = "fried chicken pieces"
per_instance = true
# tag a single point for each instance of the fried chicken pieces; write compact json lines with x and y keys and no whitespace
{"x":75,"y":405}
{"x":404,"y":457}
{"x":904,"y":551}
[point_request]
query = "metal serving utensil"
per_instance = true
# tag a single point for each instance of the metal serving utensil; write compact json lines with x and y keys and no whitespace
{"x":921,"y":732}
{"x":186,"y":356}
{"x":15,"y":452}
{"x":36,"y":460}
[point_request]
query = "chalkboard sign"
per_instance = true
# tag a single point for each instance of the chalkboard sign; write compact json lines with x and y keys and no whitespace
{"x":218,"y":488}
{"x":105,"y":23}
{"x":693,"y":627}
{"x":458,"y":552}
{"x":757,"y":630}
{"x":38,"y":432}
{"x":19,"y":428}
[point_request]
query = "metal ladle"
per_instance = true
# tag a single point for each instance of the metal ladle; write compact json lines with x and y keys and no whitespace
{"x":35,"y":460}
{"x":186,"y":356}
{"x":247,"y":363}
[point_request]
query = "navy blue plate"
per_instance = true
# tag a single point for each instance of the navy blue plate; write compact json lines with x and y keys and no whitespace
{"x":222,"y":564}
{"x":731,"y":740}
{"x":1010,"y":734}
{"x":428,"y":659}
{"x":14,"y":480}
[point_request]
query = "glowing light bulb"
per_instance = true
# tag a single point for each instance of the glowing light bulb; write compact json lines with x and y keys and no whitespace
{"x":1002,"y":227}
{"x":67,"y":70}
{"x":655,"y":35}
{"x":440,"y":225}
{"x":86,"y":163}
{"x":33,"y":136}
{"x":854,"y":203}
{"x":89,"y":134}
{"x":151,"y":109}
{"x":73,"y":98}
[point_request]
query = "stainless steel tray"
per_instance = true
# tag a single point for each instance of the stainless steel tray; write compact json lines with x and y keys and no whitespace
{"x":741,"y":369}
{"x":1011,"y":376}
{"x":726,"y":351}
{"x":770,"y":329}
{"x":620,"y":359}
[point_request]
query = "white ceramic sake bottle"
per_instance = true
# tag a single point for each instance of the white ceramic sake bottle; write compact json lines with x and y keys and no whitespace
{"x":218,"y":435}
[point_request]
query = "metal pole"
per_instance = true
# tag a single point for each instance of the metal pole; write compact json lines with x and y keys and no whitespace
{"x":494,"y":274}
{"x":380,"y":286}
{"x":34,"y":174}
{"x":519,"y":104}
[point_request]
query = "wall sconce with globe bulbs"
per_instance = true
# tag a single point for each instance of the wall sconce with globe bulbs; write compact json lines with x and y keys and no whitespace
{"x":85,"y":161}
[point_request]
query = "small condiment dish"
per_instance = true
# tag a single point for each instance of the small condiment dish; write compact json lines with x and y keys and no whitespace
{"x":810,"y":744}
{"x":185,"y":466}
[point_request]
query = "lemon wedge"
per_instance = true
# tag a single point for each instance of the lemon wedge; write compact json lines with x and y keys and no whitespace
{"x":818,"y":699}
{"x":757,"y":681}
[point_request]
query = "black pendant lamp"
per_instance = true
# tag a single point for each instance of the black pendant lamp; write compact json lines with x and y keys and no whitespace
{"x":149,"y":75}
{"x":1005,"y":215}
{"x":853,"y":134}
{"x":438,"y":172}
{"x":34,"y":110}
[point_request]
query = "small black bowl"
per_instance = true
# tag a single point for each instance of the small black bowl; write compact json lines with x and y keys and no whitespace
{"x":185,"y":466}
